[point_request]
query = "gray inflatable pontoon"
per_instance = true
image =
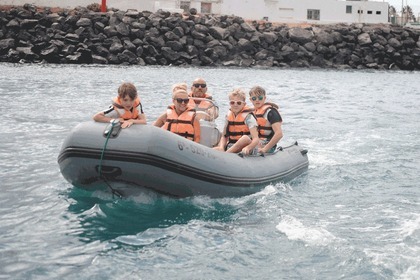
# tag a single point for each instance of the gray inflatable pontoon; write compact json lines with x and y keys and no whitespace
{"x":153,"y":158}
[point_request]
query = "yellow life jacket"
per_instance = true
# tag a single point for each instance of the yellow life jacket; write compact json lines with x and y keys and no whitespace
{"x":133,"y":113}
{"x":182,"y":124}
{"x":236,"y":126}
{"x":265,"y":129}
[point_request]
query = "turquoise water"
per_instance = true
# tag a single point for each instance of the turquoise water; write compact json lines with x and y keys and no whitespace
{"x":354,"y":215}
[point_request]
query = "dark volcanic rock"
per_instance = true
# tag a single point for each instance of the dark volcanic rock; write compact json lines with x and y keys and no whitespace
{"x":30,"y":34}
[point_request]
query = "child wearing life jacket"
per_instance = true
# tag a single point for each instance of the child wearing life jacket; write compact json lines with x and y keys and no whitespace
{"x":240,"y":133}
{"x":180,"y":118}
{"x":268,"y":119}
{"x":126,"y":107}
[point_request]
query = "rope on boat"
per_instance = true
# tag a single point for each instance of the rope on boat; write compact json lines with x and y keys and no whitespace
{"x":114,"y":192}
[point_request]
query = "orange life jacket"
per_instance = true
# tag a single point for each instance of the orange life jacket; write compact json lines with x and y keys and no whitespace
{"x":236,"y":126}
{"x":202,"y":105}
{"x":123,"y":113}
{"x":265,"y":130}
{"x":182,"y":124}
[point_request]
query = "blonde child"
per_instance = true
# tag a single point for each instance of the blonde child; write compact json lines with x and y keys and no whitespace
{"x":240,"y":132}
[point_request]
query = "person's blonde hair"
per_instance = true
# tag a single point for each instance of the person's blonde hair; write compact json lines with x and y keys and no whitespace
{"x":175,"y":92}
{"x":178,"y":86}
{"x":237,"y":93}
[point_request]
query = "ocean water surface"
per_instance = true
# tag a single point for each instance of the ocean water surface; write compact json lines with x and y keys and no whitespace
{"x":355,"y":214}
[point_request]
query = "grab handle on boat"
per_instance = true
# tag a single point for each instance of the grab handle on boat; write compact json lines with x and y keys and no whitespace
{"x":109,"y":172}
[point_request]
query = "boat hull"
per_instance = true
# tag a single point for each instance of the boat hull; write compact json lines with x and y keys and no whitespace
{"x":150,"y":157}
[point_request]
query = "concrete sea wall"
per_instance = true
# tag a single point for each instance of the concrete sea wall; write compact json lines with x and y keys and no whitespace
{"x":30,"y":34}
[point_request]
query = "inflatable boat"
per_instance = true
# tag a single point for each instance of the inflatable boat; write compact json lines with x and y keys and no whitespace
{"x":99,"y":155}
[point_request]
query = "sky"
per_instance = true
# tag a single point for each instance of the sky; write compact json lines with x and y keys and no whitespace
{"x":414,"y":4}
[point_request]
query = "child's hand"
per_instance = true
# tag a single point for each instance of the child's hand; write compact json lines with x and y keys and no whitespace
{"x":262,"y":151}
{"x":246,"y":151}
{"x":127,"y":123}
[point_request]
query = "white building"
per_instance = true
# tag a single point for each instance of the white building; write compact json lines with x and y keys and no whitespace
{"x":310,"y":11}
{"x":288,"y":11}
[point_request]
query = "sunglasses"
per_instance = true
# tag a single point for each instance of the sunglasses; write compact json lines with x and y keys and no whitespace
{"x":237,"y":102}
{"x":198,"y":85}
{"x":260,"y":97}
{"x":182,"y":100}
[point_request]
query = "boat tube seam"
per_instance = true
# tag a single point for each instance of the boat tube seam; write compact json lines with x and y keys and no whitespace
{"x":176,"y":167}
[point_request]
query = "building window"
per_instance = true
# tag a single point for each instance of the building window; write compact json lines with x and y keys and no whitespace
{"x":185,"y":5}
{"x":378,"y":12}
{"x":313,"y":14}
{"x":349,"y":9}
{"x":360,"y":11}
{"x":205,"y":8}
{"x":369,"y":12}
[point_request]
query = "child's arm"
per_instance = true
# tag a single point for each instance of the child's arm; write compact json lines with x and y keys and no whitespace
{"x":130,"y":122}
{"x":223,"y":141}
{"x":251,"y":122}
{"x":141,"y":119}
{"x":278,"y":134}
{"x":222,"y":144}
{"x":254,"y":142}
{"x":100,"y":117}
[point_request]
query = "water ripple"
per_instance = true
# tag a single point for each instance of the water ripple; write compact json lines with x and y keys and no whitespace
{"x":353,"y":215}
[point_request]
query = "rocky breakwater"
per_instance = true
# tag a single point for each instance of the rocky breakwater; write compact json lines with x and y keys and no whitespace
{"x":82,"y":36}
